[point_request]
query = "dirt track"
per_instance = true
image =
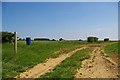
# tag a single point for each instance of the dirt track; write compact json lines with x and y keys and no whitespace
{"x":97,"y":66}
{"x":43,"y":68}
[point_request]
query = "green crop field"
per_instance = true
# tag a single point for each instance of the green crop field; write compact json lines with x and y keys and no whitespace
{"x":28,"y":56}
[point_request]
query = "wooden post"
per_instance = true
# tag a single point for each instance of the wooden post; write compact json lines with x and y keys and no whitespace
{"x":15,"y":42}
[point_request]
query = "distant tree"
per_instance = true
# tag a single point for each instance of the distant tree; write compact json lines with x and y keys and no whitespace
{"x":95,"y":39}
{"x":20,"y":39}
{"x":80,"y":39}
{"x":53,"y":40}
{"x":7,"y":37}
{"x":92,"y":39}
{"x":23,"y":39}
{"x":41,"y":39}
{"x":60,"y":39}
{"x":106,"y":39}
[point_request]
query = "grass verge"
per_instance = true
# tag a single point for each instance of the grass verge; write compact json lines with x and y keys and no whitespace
{"x":67,"y":68}
{"x":111,"y":49}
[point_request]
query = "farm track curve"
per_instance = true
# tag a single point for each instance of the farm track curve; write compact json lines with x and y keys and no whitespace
{"x":48,"y":66}
{"x":98,"y":66}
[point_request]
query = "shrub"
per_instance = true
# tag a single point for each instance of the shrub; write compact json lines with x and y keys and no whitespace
{"x":20,"y":39}
{"x":7,"y":37}
{"x":41,"y":39}
{"x":23,"y":39}
{"x":60,"y":39}
{"x":92,"y":39}
{"x":80,"y":40}
{"x":106,"y":39}
{"x":53,"y":40}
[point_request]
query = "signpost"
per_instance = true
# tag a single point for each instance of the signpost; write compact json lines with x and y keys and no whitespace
{"x":15,"y":42}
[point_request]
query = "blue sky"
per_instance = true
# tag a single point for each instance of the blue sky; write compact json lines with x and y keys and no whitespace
{"x":69,"y":20}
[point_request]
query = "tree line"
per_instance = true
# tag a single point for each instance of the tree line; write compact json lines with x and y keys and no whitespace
{"x":9,"y":37}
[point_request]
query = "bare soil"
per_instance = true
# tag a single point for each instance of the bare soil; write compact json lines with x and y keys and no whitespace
{"x":48,"y":66}
{"x":98,"y":66}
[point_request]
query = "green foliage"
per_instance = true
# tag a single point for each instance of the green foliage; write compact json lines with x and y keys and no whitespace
{"x":106,"y":39}
{"x":53,"y":40}
{"x":67,"y":68}
{"x":60,"y":39}
{"x":41,"y":39}
{"x":92,"y":39}
{"x":7,"y":37}
{"x":28,"y":56}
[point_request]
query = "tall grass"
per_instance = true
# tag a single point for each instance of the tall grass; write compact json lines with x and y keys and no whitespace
{"x":112,"y":49}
